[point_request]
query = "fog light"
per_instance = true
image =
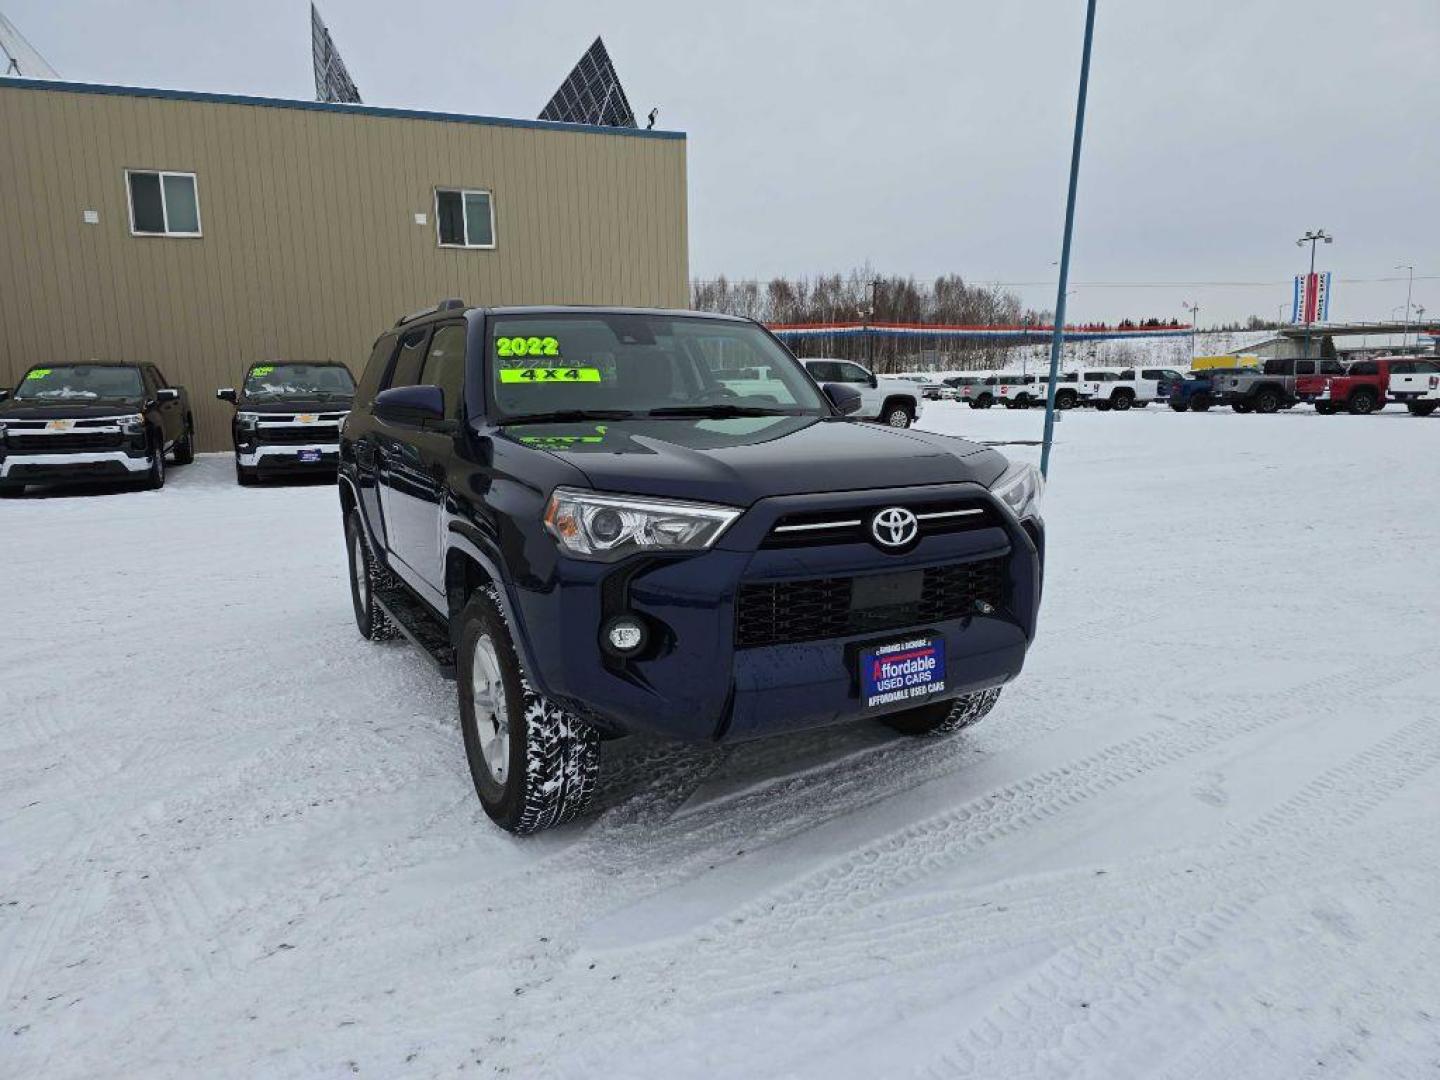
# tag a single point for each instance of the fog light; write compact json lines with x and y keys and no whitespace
{"x":624,"y":634}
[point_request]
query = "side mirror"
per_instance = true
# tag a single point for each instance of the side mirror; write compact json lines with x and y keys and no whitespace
{"x":874,"y":381}
{"x":845,"y":398}
{"x":4,"y":393}
{"x":227,"y":394}
{"x":411,"y":406}
{"x":169,"y":393}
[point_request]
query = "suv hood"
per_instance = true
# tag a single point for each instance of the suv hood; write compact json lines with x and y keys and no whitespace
{"x":739,"y":461}
{"x":69,"y":409}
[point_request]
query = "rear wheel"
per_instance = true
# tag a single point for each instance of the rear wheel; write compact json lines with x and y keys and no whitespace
{"x":1178,"y":406}
{"x":534,"y":764}
{"x":1104,"y":406}
{"x":1422,"y":408}
{"x":1267,"y":401}
{"x":1326,"y":408}
{"x":898,"y":416}
{"x":1123,"y":401}
{"x":365,"y":574}
{"x":185,"y":445}
{"x":1200,"y":402}
{"x":1066,"y":399}
{"x":944,"y":717}
{"x":1240,"y":406}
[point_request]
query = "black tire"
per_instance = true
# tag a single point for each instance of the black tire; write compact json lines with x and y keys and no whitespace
{"x":1178,"y":406}
{"x":1326,"y":408}
{"x":944,"y":717}
{"x":1266,"y":401}
{"x":1066,"y":399}
{"x":547,"y":760}
{"x":1362,"y":403}
{"x":984,"y":401}
{"x":1122,"y":401}
{"x":897,"y":415}
{"x":1421,"y":408}
{"x":185,"y":445}
{"x":155,"y":478}
{"x":1240,"y":406}
{"x":365,"y":576}
{"x":1200,"y":403}
{"x":1104,"y":405}
{"x":1139,"y":404}
{"x":246,"y":477}
{"x":11,"y":491}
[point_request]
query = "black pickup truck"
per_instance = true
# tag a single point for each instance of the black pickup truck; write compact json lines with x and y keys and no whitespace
{"x":92,"y":422}
{"x":599,"y":521}
{"x":287,"y":418}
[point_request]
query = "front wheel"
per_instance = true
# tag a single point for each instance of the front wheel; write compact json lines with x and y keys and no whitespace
{"x":1200,"y":404}
{"x":1240,"y":407}
{"x":1122,"y":402}
{"x":1326,"y":408}
{"x":1362,"y":403}
{"x":155,"y":478}
{"x":365,"y":574}
{"x":944,"y":717}
{"x":534,"y":764}
{"x":1422,"y":408}
{"x":1178,"y":406}
{"x":1066,"y":400}
{"x":1267,"y":402}
{"x":898,"y":417}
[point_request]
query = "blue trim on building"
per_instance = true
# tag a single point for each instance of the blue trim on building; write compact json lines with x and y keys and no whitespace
{"x":106,"y":89}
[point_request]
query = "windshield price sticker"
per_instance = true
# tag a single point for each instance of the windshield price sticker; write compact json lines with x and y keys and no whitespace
{"x":256,"y":373}
{"x":549,"y":375}
{"x":38,"y":373}
{"x":527,"y":346}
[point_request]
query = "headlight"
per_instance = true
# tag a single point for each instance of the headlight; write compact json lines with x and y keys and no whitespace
{"x":133,"y":424}
{"x":248,"y":419}
{"x":1020,"y":488}
{"x":609,"y":527}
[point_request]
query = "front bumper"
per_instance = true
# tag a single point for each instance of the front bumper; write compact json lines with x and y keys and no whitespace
{"x":696,"y":682}
{"x":289,"y":457}
{"x":81,"y":466}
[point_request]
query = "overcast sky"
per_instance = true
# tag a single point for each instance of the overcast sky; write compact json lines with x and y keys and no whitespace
{"x":923,"y":138}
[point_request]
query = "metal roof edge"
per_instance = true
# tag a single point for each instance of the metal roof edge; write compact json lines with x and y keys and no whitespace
{"x":111,"y":90}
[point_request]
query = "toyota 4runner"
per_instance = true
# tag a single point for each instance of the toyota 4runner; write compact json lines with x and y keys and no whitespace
{"x":579,"y":515}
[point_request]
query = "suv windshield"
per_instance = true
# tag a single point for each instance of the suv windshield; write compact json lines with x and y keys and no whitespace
{"x":85,"y":382}
{"x":544,"y":366}
{"x":294,"y":380}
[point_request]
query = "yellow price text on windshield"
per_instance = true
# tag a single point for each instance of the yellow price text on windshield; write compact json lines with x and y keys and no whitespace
{"x":38,"y":373}
{"x":255,"y":373}
{"x":550,"y":375}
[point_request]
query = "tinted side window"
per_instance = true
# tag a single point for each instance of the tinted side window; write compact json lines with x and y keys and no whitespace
{"x":445,"y":366}
{"x":1331,"y":367}
{"x":406,"y":369}
{"x":157,"y":376}
{"x":852,"y":373}
{"x":1277,"y":367}
{"x":1128,"y":373}
{"x":1152,"y":373}
{"x":375,"y":370}
{"x":823,"y":371}
{"x":1365,"y":367}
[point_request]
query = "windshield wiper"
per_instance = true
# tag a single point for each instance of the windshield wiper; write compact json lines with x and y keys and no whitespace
{"x":723,"y":411}
{"x":569,"y":416}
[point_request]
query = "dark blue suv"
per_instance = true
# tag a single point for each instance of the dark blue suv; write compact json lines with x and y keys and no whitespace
{"x":603,"y":521}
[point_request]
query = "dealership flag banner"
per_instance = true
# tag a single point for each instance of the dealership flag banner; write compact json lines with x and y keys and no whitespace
{"x":1312,"y":298}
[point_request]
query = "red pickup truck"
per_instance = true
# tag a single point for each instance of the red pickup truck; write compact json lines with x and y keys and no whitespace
{"x":1367,"y":385}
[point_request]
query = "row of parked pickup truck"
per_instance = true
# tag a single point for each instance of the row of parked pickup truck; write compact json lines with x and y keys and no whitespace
{"x":1363,"y":387}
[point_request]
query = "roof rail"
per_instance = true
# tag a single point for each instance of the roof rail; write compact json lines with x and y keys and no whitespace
{"x":444,"y":305}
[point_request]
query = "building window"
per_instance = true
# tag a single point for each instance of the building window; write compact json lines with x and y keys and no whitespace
{"x":163,"y":203}
{"x":464,"y":218}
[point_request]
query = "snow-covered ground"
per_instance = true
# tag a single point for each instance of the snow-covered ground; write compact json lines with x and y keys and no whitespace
{"x":1200,"y":837}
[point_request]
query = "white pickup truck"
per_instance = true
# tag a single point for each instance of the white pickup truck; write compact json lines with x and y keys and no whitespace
{"x":1022,"y":391}
{"x":1125,"y":388}
{"x":1415,"y":384}
{"x":896,"y":402}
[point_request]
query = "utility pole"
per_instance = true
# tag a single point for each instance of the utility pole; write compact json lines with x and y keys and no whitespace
{"x":1279,"y":314}
{"x":869,"y":328}
{"x":1194,"y":310}
{"x":1057,"y":336}
{"x":1409,"y":287}
{"x":1312,"y":237}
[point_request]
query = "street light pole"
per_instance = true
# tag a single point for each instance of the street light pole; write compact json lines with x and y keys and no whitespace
{"x":1194,"y":310}
{"x":1057,"y":336}
{"x":1409,"y":287}
{"x":1312,"y":237}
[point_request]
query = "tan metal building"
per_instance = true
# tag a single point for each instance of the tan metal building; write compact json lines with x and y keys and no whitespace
{"x":205,"y":231}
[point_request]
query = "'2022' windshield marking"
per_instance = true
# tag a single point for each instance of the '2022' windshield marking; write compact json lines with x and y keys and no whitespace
{"x":527,"y":346}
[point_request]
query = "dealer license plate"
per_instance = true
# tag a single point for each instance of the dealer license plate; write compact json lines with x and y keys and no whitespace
{"x":904,"y":671}
{"x":309,"y":455}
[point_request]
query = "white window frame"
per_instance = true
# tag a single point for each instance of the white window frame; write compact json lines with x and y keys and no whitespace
{"x":164,"y":209}
{"x":465,"y":217}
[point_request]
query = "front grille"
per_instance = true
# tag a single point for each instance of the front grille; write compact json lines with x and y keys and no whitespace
{"x":21,"y":443}
{"x":787,"y":612}
{"x":853,"y":526}
{"x":304,"y":434}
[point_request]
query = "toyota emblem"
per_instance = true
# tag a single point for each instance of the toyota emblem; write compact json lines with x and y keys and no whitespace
{"x":894,"y":527}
